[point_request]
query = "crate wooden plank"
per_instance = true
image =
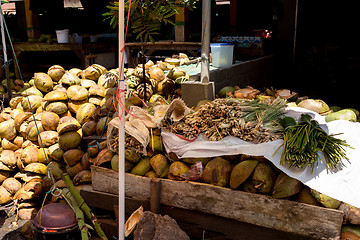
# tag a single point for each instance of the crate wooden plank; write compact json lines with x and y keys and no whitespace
{"x":261,"y":210}
{"x":265,"y":211}
{"x":107,"y":180}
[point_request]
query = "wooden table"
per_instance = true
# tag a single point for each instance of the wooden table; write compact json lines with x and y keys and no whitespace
{"x":131,"y":49}
{"x":80,"y":50}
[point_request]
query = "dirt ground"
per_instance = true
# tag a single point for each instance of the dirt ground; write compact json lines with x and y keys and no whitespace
{"x":10,"y":230}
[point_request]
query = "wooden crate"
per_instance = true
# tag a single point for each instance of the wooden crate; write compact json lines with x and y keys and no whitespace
{"x":282,"y":215}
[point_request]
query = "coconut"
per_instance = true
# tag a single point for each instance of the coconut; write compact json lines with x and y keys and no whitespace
{"x":73,"y":156}
{"x":33,"y":129}
{"x":18,"y":140}
{"x":175,"y":73}
{"x":39,"y":168}
{"x":92,"y":73}
{"x":11,"y":185}
{"x":29,"y":155}
{"x":217,"y":172}
{"x":31,"y":103}
{"x":286,"y":186}
{"x":7,"y":129}
{"x":85,"y":112}
{"x":104,"y":156}
{"x":82,"y":177}
{"x":7,"y":145}
{"x":102,"y":124}
{"x":59,"y":88}
{"x":241,"y":172}
{"x":87,"y":83}
{"x":89,"y":128}
{"x":43,"y":82}
{"x":20,"y":118}
{"x":70,"y":126}
{"x":57,"y":107}
{"x":56,"y":169}
{"x":160,"y":165}
{"x":16,"y":112}
{"x":55,"y":152}
{"x":97,"y":90}
{"x":177,"y":169}
{"x":4,"y":175}
{"x":56,"y":72}
{"x":263,"y":178}
{"x":96,"y":100}
{"x":77,"y":93}
{"x":48,"y":138}
{"x":14,"y":102}
{"x":70,"y":79}
{"x":5,"y":116}
{"x":142,"y":167}
{"x":287,"y":94}
{"x":56,"y":96}
{"x":8,"y":157}
{"x":69,"y":140}
{"x":108,"y":80}
{"x":50,"y":120}
{"x":43,"y":155}
{"x":315,"y":105}
{"x":32,"y":91}
{"x":157,"y":74}
{"x":75,"y":71}
{"x":5,"y":196}
{"x":73,"y":170}
{"x":109,"y":92}
{"x":75,"y":105}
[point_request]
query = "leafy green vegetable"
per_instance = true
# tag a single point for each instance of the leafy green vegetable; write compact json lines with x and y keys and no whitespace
{"x":303,"y":142}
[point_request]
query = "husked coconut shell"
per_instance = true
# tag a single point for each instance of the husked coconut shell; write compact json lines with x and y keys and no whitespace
{"x":91,"y":73}
{"x":73,"y":156}
{"x":60,"y":88}
{"x":7,"y":129}
{"x":16,"y":112}
{"x":157,"y":74}
{"x":55,"y":152}
{"x":31,"y":103}
{"x":50,"y":120}
{"x":68,"y":124}
{"x":33,"y":129}
{"x":75,"y":105}
{"x":48,"y":138}
{"x":4,"y":116}
{"x":56,"y":96}
{"x":57,"y":107}
{"x":87,"y":83}
{"x":43,"y":155}
{"x":56,"y":72}
{"x":73,"y":170}
{"x":108,"y":80}
{"x":82,"y":177}
{"x":109,"y":92}
{"x":77,"y":93}
{"x":29,"y":143}
{"x":97,"y":90}
{"x":8,"y":157}
{"x":11,"y":185}
{"x":4,"y":175}
{"x":43,"y":82}
{"x":32,"y":91}
{"x":7,"y":145}
{"x":20,"y":118}
{"x":14,"y":102}
{"x":5,"y":196}
{"x":89,"y":128}
{"x":75,"y":71}
{"x":101,"y":68}
{"x":70,"y":79}
{"x":39,"y":168}
{"x":29,"y":155}
{"x":69,"y":140}
{"x":96,"y":100}
{"x":18,"y":140}
{"x":85,"y":112}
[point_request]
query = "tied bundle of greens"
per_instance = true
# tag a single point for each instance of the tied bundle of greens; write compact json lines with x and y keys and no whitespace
{"x":303,"y":142}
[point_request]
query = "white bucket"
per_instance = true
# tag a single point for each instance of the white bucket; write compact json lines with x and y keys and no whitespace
{"x":62,"y":36}
{"x":222,"y":54}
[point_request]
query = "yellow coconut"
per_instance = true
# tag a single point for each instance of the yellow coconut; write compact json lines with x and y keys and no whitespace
{"x":50,"y":120}
{"x":85,"y":112}
{"x":7,"y":129}
{"x":77,"y":93}
{"x":56,"y":72}
{"x":43,"y":82}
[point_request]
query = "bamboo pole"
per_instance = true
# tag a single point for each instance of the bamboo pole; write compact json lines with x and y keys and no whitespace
{"x":205,"y":43}
{"x":78,"y":213}
{"x":122,"y":121}
{"x":80,"y":201}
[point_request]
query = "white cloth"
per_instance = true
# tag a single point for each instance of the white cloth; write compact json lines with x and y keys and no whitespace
{"x":343,"y":185}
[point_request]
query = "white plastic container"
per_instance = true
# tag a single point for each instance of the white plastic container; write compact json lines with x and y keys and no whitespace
{"x":62,"y":36}
{"x":222,"y":54}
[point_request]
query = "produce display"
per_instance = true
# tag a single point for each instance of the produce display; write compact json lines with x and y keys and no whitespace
{"x":43,"y":134}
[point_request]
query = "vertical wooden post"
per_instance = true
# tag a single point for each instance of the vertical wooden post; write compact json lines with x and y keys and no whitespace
{"x":180,"y":26}
{"x":155,"y":193}
{"x":32,"y":21}
{"x":233,"y":15}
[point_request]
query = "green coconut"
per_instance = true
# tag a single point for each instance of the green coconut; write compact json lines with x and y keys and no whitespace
{"x":225,"y":90}
{"x":56,"y":169}
{"x":241,"y":172}
{"x":142,"y":167}
{"x":55,"y":152}
{"x":132,"y":156}
{"x":43,"y":82}
{"x":176,"y":169}
{"x":69,"y":140}
{"x":89,"y":128}
{"x":160,"y":165}
{"x":286,"y":186}
{"x":263,"y":178}
{"x":31,"y":102}
{"x":217,"y":172}
{"x":325,"y":200}
{"x":101,"y":124}
{"x":344,"y":114}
